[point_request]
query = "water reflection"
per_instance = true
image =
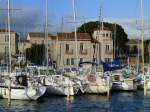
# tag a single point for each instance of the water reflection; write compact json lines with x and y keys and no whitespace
{"x":127,"y":102}
{"x":119,"y":102}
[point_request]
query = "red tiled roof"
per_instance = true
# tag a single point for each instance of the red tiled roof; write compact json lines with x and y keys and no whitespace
{"x":71,"y":36}
{"x":38,"y":34}
{"x":23,"y":41}
{"x":5,"y":30}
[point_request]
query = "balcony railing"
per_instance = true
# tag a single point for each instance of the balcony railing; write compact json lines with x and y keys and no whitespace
{"x":69,"y":52}
{"x":83,"y":52}
{"x":109,"y":52}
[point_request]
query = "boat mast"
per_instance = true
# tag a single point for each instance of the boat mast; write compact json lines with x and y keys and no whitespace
{"x":115,"y":42}
{"x":75,"y":33}
{"x":19,"y":59}
{"x":9,"y":86}
{"x":62,"y":44}
{"x":138,"y":55}
{"x":101,"y":28}
{"x":46,"y":33}
{"x":142,"y":34}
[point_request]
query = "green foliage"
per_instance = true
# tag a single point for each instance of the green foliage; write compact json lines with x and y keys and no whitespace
{"x":147,"y":41}
{"x":88,"y":27}
{"x":36,"y":54}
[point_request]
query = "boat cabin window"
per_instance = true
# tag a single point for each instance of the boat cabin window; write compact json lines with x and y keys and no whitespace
{"x":35,"y":72}
{"x":22,"y":80}
{"x":74,"y":69}
{"x":117,"y":77}
{"x":67,"y":69}
{"x":43,"y":72}
{"x":99,"y":69}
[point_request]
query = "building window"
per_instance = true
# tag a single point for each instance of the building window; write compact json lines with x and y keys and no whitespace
{"x":103,"y":34}
{"x":35,"y":42}
{"x":67,"y":47}
{"x":6,"y":50}
{"x":81,"y":59}
{"x":107,"y":47}
{"x":108,"y":60}
{"x":68,"y":61}
{"x":106,"y":34}
{"x":97,"y":33}
{"x":6,"y":38}
{"x":72,"y":61}
{"x":110,"y":35}
{"x":42,"y":41}
{"x":94,"y":46}
{"x":81,"y":47}
{"x":48,"y":44}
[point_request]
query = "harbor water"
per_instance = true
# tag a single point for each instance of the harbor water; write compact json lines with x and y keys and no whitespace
{"x":118,"y":102}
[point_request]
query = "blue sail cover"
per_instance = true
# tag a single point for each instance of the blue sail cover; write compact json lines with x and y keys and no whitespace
{"x":116,"y":62}
{"x":107,"y":67}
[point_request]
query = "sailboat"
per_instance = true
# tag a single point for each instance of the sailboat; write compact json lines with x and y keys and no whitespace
{"x":55,"y":84}
{"x":22,"y":87}
{"x":92,"y":79}
{"x":121,"y":83}
{"x":145,"y":69}
{"x":16,"y":85}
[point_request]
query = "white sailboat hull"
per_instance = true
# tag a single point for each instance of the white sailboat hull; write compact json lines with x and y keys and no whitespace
{"x":58,"y":85}
{"x":23,"y":93}
{"x":95,"y":89}
{"x":122,"y":86}
{"x":95,"y":85}
{"x":147,"y":85}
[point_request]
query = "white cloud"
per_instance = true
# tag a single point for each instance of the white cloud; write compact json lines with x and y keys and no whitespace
{"x":22,"y":20}
{"x":132,"y":26}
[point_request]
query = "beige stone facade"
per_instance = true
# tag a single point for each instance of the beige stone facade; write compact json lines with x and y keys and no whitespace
{"x":147,"y":51}
{"x":24,"y":44}
{"x":4,"y":42}
{"x":38,"y":38}
{"x":104,"y":37}
{"x":64,"y":52}
{"x":133,"y":45}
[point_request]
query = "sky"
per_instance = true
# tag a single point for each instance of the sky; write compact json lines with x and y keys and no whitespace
{"x":30,"y":14}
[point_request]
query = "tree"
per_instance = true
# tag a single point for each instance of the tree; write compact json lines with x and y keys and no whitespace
{"x":88,"y":27}
{"x":36,"y":54}
{"x":121,"y":36}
